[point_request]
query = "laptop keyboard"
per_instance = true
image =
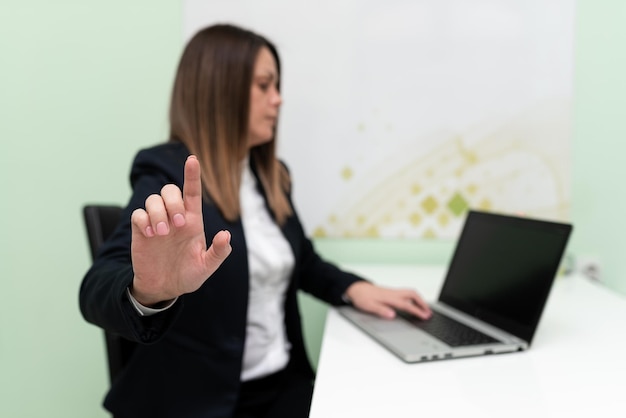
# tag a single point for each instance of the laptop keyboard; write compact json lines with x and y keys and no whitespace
{"x":453,"y":333}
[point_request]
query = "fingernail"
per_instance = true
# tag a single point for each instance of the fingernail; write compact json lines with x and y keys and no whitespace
{"x":179,"y":220}
{"x":149,"y":231}
{"x":161,"y":228}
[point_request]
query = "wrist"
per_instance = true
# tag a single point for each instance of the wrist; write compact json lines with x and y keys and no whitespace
{"x":145,"y":310}
{"x":351,"y":292}
{"x":149,"y":301}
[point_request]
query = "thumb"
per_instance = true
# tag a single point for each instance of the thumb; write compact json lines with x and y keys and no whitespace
{"x":218,"y":251}
{"x":385,"y":312}
{"x":381,"y":310}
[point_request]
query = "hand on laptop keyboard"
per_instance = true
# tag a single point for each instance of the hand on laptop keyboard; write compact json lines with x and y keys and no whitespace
{"x":384,"y":302}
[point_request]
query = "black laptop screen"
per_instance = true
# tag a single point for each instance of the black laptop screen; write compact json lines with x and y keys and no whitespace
{"x":503,"y":268}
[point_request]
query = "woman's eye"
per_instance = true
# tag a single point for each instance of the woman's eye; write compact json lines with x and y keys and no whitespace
{"x":264,"y":86}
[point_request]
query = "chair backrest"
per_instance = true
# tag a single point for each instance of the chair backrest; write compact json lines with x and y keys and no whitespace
{"x":100,"y":221}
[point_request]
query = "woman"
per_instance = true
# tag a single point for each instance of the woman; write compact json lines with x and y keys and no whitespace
{"x":229,"y":345}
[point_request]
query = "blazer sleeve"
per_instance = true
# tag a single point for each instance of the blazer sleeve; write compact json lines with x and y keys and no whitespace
{"x":323,"y":279}
{"x":316,"y":276}
{"x":102,"y":298}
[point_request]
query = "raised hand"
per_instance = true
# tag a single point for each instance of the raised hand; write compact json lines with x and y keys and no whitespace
{"x":168,"y":249}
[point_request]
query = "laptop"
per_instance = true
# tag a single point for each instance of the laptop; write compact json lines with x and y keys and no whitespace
{"x":493,"y":295}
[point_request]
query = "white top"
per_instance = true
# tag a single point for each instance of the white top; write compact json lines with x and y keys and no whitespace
{"x":270,"y":262}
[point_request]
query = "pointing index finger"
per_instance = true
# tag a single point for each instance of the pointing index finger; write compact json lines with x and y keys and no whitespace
{"x":192,"y":185}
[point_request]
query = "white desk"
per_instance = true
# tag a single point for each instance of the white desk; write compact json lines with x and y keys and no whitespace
{"x":575,"y":367}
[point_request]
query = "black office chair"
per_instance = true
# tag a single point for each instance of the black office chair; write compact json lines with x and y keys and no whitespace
{"x":100,"y":221}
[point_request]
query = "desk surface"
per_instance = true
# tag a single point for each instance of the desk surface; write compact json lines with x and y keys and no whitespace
{"x":576,"y":365}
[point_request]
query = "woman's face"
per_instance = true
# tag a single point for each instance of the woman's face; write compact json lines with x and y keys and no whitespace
{"x":265,"y":99}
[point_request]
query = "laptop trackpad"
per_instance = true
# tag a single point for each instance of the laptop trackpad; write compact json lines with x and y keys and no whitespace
{"x":381,"y":325}
{"x":413,"y":342}
{"x":403,"y":335}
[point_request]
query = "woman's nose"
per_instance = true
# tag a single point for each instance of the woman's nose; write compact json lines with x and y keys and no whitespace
{"x":277,"y":99}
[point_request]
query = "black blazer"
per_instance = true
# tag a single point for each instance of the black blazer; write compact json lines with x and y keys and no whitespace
{"x":188,"y":362}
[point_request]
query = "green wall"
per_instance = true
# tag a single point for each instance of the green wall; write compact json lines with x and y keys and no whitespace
{"x":599,"y":138}
{"x":84,"y":84}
